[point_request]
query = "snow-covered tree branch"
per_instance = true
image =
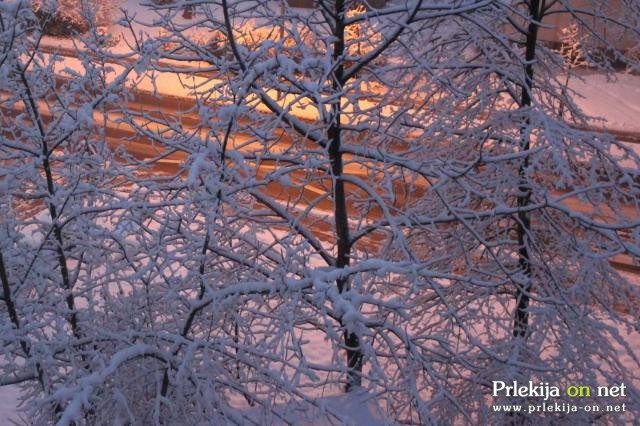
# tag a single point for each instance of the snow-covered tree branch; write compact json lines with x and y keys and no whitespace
{"x":238,"y":209}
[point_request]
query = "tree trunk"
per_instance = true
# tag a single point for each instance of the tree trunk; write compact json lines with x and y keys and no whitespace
{"x":351,"y":340}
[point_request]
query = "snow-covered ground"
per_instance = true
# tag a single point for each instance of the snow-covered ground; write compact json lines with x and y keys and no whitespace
{"x":616,"y":99}
{"x":613,"y":100}
{"x":8,"y":404}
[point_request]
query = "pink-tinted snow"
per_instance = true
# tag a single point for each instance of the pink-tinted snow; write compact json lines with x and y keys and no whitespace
{"x":616,"y":99}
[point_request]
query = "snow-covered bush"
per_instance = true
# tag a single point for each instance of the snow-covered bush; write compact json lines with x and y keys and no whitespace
{"x":70,"y":17}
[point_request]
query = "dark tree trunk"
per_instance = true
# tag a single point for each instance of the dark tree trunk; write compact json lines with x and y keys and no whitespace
{"x":523,"y":227}
{"x":351,"y":340}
